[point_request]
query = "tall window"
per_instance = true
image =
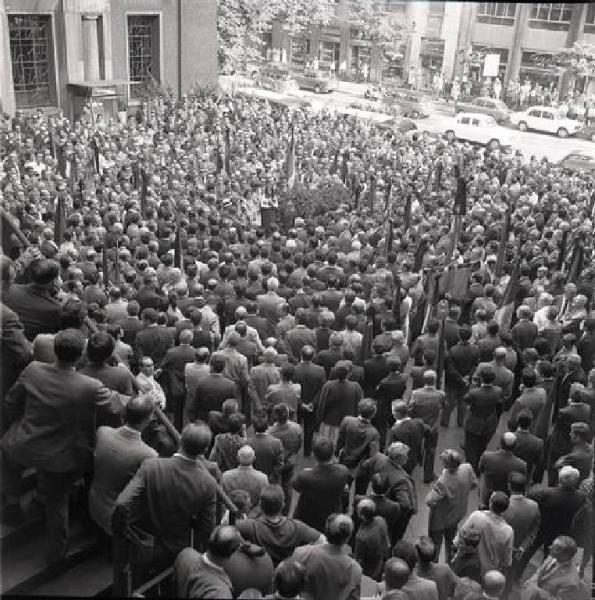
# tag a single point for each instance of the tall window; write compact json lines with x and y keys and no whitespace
{"x":395,"y":6}
{"x":550,"y":15}
{"x":143,"y":50}
{"x":496,"y":13}
{"x":31,"y":56}
{"x":590,"y":18}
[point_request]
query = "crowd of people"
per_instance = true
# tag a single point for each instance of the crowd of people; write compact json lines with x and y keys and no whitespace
{"x":309,"y":368}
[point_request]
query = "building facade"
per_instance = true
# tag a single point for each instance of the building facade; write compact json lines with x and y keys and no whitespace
{"x":451,"y":38}
{"x":50,"y":50}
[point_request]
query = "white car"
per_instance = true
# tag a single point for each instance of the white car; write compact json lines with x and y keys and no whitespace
{"x":479,"y":129}
{"x":545,"y":118}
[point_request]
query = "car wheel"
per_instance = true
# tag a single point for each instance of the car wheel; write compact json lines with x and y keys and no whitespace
{"x":562,"y":132}
{"x":414,"y":114}
{"x":317,"y":89}
{"x":523,"y":126}
{"x":493,"y":144}
{"x":450,"y":136}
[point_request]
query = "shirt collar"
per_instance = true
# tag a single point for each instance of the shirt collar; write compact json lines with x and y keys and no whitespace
{"x":190,"y":460}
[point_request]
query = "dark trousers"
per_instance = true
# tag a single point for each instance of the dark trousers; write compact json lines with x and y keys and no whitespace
{"x":175,"y":411}
{"x":308,"y":422}
{"x":401,"y":526}
{"x":430,"y":444}
{"x":454,"y":397}
{"x":286,"y":477}
{"x":531,"y":550}
{"x":475,"y":446}
{"x":448,"y":535}
{"x":55,"y":489}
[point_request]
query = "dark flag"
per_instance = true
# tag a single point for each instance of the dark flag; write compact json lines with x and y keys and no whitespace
{"x":389,"y":237}
{"x":290,"y":161}
{"x":503,"y":242}
{"x":218,"y":162}
{"x":344,"y":168}
{"x":116,"y":271}
{"x":438,"y":177}
{"x":73,"y":173}
{"x":178,"y":254}
{"x":455,"y":234}
{"x":335,"y":164}
{"x":397,"y":301}
{"x":144,"y":180}
{"x":59,"y":221}
{"x":419,"y":255}
{"x":433,"y":297}
{"x":105,"y":268}
{"x":372,"y":192}
{"x":460,"y":207}
{"x":440,"y":355}
{"x":503,"y":175}
{"x":365,"y":349}
{"x":95,"y":148}
{"x":576,"y":264}
{"x":357,"y":191}
{"x":387,"y":193}
{"x":562,"y":254}
{"x":12,"y":236}
{"x":505,"y":311}
{"x":227,"y":155}
{"x":407,"y":215}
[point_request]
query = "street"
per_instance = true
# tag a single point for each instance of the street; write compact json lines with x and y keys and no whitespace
{"x":529,"y":143}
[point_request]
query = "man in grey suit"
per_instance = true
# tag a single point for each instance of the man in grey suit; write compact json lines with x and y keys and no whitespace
{"x":118,"y":455}
{"x":268,"y":304}
{"x":267,"y":448}
{"x":528,"y":446}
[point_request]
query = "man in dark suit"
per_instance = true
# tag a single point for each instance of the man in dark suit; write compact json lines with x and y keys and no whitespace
{"x":212,"y":391}
{"x":321,"y":487}
{"x":51,"y":417}
{"x":131,"y":325}
{"x":482,"y":419}
{"x":267,"y":448}
{"x":586,"y":346}
{"x":147,"y":296}
{"x":452,"y":327}
{"x":327,"y":359}
{"x":528,"y":446}
{"x":299,"y":336}
{"x":495,"y":468}
{"x":557,"y":508}
{"x":525,"y":331}
{"x":375,"y":369}
{"x":245,"y":346}
{"x":160,"y":502}
{"x":311,"y":377}
{"x":410,"y":432}
{"x":173,"y":368}
{"x":268,"y":304}
{"x":38,"y":309}
{"x":152,"y":341}
{"x":391,"y":388}
{"x":461,"y":360}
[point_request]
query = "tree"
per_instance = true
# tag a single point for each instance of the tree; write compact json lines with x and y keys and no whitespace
{"x":385,"y":29}
{"x":578,"y":61}
{"x":241,"y":23}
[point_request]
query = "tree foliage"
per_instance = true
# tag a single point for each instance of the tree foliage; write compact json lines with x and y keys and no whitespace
{"x":579,"y":60}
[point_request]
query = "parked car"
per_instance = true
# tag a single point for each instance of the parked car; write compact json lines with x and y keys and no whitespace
{"x":318,"y":81}
{"x":547,"y":119}
{"x":479,"y":129}
{"x":488,"y":106}
{"x":581,"y":160}
{"x":396,"y":124}
{"x":411,"y":104}
{"x":273,"y":77}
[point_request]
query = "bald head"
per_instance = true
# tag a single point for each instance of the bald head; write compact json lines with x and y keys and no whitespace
{"x":246,"y":455}
{"x":493,"y":583}
{"x":195,"y":439}
{"x":396,"y":573}
{"x":508,"y":441}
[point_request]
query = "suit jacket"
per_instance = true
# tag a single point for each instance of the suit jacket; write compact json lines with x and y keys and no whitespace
{"x":38,"y":311}
{"x":420,"y":588}
{"x":268,"y":306}
{"x":451,"y":333}
{"x":534,"y":400}
{"x":586,"y":350}
{"x":494,"y":468}
{"x":401,"y":487}
{"x":392,"y":387}
{"x":524,"y":334}
{"x":173,"y":366}
{"x":148,"y":298}
{"x":245,"y":478}
{"x":560,"y":580}
{"x":118,"y":455}
{"x":530,"y":449}
{"x":269,"y":455}
{"x":410,"y":432}
{"x":311,"y":377}
{"x":297,"y":338}
{"x":522,"y":515}
{"x":460,"y":362}
{"x":337,"y":400}
{"x":481,"y":417}
{"x":327,"y":359}
{"x":211,"y":392}
{"x":15,"y":351}
{"x":52,"y":415}
{"x":358,"y":440}
{"x":319,"y":489}
{"x":262,"y":377}
{"x":425,"y":404}
{"x":375,"y":370}
{"x":152,"y":341}
{"x":576,"y":412}
{"x":130,"y":327}
{"x":162,"y":498}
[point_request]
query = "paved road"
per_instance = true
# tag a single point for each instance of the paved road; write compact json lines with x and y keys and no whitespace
{"x":530,"y":143}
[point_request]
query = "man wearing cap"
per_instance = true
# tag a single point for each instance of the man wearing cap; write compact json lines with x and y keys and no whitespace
{"x":557,"y":508}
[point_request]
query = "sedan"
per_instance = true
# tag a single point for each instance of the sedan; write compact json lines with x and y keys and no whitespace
{"x":547,"y":119}
{"x":487,"y":106}
{"x":410,"y":103}
{"x":479,"y":129}
{"x":582,"y":161}
{"x":317,"y":81}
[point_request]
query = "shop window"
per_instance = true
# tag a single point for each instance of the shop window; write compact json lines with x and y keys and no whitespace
{"x":31,"y":48}
{"x":143,"y":51}
{"x":496,"y":13}
{"x":550,"y":15}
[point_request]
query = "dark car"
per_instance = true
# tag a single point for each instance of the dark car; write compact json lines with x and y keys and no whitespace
{"x":411,"y":104}
{"x":317,"y":81}
{"x":273,"y":77}
{"x":487,"y":106}
{"x":402,"y":125}
{"x":579,"y":160}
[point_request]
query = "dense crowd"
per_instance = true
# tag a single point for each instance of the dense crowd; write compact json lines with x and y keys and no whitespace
{"x":313,"y":355}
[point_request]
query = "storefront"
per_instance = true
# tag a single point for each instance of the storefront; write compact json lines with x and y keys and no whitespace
{"x":300,"y":53}
{"x":360,"y":62}
{"x":431,"y":56}
{"x":393,"y":65}
{"x":535,"y":70}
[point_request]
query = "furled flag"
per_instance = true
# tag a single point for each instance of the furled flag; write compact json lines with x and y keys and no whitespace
{"x":387,"y":193}
{"x":503,"y":242}
{"x":372,"y":192}
{"x":178,"y":254}
{"x":562,"y":251}
{"x":433,"y":297}
{"x":505,"y":311}
{"x":335,"y":164}
{"x":365,"y":349}
{"x":344,"y":167}
{"x":389,"y":237}
{"x":218,"y":161}
{"x":576,"y":264}
{"x":144,"y":182}
{"x":290,"y":161}
{"x":105,"y":267}
{"x":407,"y":215}
{"x":116,"y":271}
{"x":460,"y":207}
{"x":438,"y":177}
{"x":420,"y":252}
{"x":95,"y":148}
{"x":227,"y":155}
{"x":397,"y":301}
{"x":440,"y":355}
{"x":60,"y":221}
